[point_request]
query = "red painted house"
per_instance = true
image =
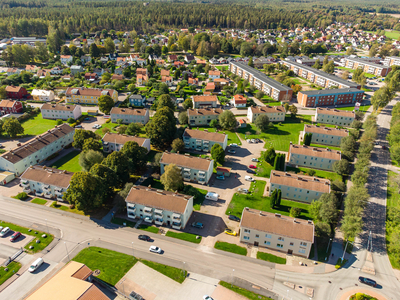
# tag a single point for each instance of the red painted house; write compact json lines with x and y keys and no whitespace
{"x":10,"y":107}
{"x":91,"y":76}
{"x":16,"y":92}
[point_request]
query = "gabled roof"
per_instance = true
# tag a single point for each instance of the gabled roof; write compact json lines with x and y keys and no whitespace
{"x":186,"y":161}
{"x":205,"y":135}
{"x":315,"y":152}
{"x":122,"y":139}
{"x":63,"y":107}
{"x":300,"y":181}
{"x":48,"y":176}
{"x":335,"y":112}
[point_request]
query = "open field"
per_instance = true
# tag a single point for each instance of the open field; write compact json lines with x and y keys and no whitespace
{"x":37,"y":125}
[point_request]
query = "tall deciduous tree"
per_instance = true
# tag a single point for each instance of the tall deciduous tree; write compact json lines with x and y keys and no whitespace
{"x":12,"y":127}
{"x":227,"y":120}
{"x":89,"y":159}
{"x":262,"y":122}
{"x":172,"y":178}
{"x":136,"y":156}
{"x":162,"y":128}
{"x":91,"y":144}
{"x":119,"y":163}
{"x":106,"y":103}
{"x":218,"y":153}
{"x":134,"y":128}
{"x":165,"y":101}
{"x":81,"y":135}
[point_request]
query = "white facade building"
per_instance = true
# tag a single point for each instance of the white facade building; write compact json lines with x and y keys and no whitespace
{"x":60,"y":111}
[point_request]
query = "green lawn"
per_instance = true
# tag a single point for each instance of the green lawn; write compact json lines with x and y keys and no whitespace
{"x":393,"y":34}
{"x":66,"y":208}
{"x":232,"y":137}
{"x":176,"y":274}
{"x":37,"y":125}
{"x":325,"y":146}
{"x":44,"y":242}
{"x":246,"y":293}
{"x":39,"y":201}
{"x":69,"y":162}
{"x":255,"y":200}
{"x":392,"y":226}
{"x":271,"y":258}
{"x":120,"y":221}
{"x":352,"y":71}
{"x":230,"y":248}
{"x":184,"y":236}
{"x":264,"y":169}
{"x":112,"y":265}
{"x":351,"y":108}
{"x":148,"y":228}
{"x":318,"y":173}
{"x":279,"y":136}
{"x":12,"y":267}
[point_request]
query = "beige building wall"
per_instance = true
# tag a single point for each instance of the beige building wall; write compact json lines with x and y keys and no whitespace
{"x":311,"y":161}
{"x":295,"y":193}
{"x":332,"y":119}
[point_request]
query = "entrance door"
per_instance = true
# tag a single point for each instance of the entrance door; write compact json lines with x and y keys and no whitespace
{"x":256,"y":244}
{"x":290,"y":251}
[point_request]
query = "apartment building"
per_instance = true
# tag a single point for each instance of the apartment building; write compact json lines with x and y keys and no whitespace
{"x":115,"y":141}
{"x":262,"y":82}
{"x":192,"y":168}
{"x":367,"y":66}
{"x":319,"y":77}
{"x":16,"y":92}
{"x":203,"y":140}
{"x":46,"y":182}
{"x":277,"y":232}
{"x":130,"y":115}
{"x":72,"y":282}
{"x":329,"y":97}
{"x":203,"y":116}
{"x":42,"y":95}
{"x":37,"y":149}
{"x":88,"y":95}
{"x":204,"y":101}
{"x":274,"y":113}
{"x":137,"y":100}
{"x":325,"y":135}
{"x":159,"y":207}
{"x":392,"y":61}
{"x":313,"y":157}
{"x":334,"y":116}
{"x":298,"y":187}
{"x":60,"y":111}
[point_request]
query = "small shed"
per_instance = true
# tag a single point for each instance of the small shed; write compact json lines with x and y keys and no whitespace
{"x":242,"y":123}
{"x":224,"y":171}
{"x":6,"y":177}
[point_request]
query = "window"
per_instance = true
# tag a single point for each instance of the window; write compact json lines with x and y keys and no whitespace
{"x":267,"y":243}
{"x":279,"y":245}
{"x":291,"y":244}
{"x":302,"y":251}
{"x":247,"y":231}
{"x":257,"y":236}
{"x":303,"y":244}
{"x":268,"y":236}
{"x":281,"y":239}
{"x":246,"y":238}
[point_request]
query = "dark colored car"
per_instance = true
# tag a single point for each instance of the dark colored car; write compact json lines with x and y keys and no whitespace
{"x":144,"y":237}
{"x":15,"y":236}
{"x":233,"y":218}
{"x":367,"y":281}
{"x":197,"y":225}
{"x":251,"y":171}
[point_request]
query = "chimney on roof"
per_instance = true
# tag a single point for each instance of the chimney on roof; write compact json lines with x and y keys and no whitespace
{"x":294,"y":220}
{"x":278,"y":215}
{"x":309,"y":222}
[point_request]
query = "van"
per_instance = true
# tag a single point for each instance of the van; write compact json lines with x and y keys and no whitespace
{"x":36,"y":264}
{"x":248,"y":178}
{"x":212,"y":196}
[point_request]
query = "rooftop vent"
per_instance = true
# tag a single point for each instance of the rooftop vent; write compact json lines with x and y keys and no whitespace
{"x":278,"y":215}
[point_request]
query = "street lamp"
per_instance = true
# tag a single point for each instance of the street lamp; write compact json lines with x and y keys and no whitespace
{"x":345,"y":249}
{"x":47,"y":226}
{"x":233,"y":274}
{"x":328,"y":245}
{"x":133,"y":253}
{"x":67,"y":250}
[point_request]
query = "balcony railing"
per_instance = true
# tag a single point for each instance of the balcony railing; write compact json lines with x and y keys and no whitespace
{"x":158,"y":212}
{"x":39,"y":193}
{"x":158,"y":221}
{"x":148,"y":212}
{"x":131,"y":215}
{"x":177,"y":225}
{"x":176,"y":216}
{"x":27,"y":190}
{"x":25,"y":183}
{"x":48,"y":195}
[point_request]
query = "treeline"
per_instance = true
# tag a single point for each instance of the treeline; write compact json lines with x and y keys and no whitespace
{"x":387,"y":92}
{"x":24,"y":18}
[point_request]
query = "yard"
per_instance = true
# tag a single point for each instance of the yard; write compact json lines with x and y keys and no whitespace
{"x":66,"y":208}
{"x":37,"y":125}
{"x":148,"y":228}
{"x":233,"y":248}
{"x":112,"y":265}
{"x":12,"y":267}
{"x":184,"y":236}
{"x":271,"y":258}
{"x":318,"y":173}
{"x":39,"y":201}
{"x":280,"y":135}
{"x":256,"y":200}
{"x":44,"y":242}
{"x":176,"y":274}
{"x":69,"y":162}
{"x":352,"y":71}
{"x":264,"y":169}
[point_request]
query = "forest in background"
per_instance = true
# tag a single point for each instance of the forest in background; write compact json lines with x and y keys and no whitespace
{"x":37,"y":17}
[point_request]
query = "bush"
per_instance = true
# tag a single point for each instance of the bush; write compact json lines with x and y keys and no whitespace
{"x":108,"y":121}
{"x":295,"y":212}
{"x":71,"y":120}
{"x":59,"y":122}
{"x":311,"y":172}
{"x":21,"y":196}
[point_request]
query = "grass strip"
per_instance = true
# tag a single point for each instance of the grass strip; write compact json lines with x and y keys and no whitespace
{"x":271,"y":258}
{"x":228,"y":247}
{"x":246,"y":293}
{"x":184,"y":236}
{"x":12,"y":267}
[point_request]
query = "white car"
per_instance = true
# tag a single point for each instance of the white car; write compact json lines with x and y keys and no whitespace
{"x":206,"y":297}
{"x":244,"y":191}
{"x":248,"y":178}
{"x":254,"y":159}
{"x":234,"y":145}
{"x":4,"y":231}
{"x":155,"y":249}
{"x":249,"y":141}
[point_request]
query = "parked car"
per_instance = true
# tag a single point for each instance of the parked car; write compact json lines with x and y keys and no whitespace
{"x":254,"y":159}
{"x":36,"y":264}
{"x":249,"y":141}
{"x":251,"y":171}
{"x":258,"y":141}
{"x":197,"y":225}
{"x":144,"y":237}
{"x":248,"y":178}
{"x":155,"y":249}
{"x":253,"y":141}
{"x":1,"y":228}
{"x":230,"y":232}
{"x":367,"y":281}
{"x":87,"y":119}
{"x":221,"y":177}
{"x":1,"y":146}
{"x":242,"y":190}
{"x":15,"y":236}
{"x":78,"y":126}
{"x":252,"y":167}
{"x":234,"y":145}
{"x":4,"y":231}
{"x":234,"y":218}
{"x":206,"y":297}
{"x":231,"y":151}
